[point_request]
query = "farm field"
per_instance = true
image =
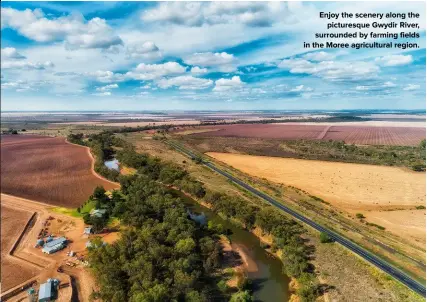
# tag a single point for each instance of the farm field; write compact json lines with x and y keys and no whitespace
{"x":360,"y":135}
{"x":48,"y":169}
{"x":13,"y":272}
{"x":348,"y":186}
{"x":410,"y":224}
{"x":386,"y":196}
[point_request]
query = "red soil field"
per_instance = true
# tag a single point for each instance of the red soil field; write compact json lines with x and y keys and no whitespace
{"x":363,"y":135}
{"x":12,"y":224}
{"x":265,"y":131}
{"x":397,"y":136}
{"x":48,"y":169}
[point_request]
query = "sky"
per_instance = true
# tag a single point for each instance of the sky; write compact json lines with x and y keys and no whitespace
{"x":201,"y":56}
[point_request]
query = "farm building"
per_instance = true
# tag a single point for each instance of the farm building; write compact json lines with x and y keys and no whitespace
{"x":47,"y":290}
{"x":40,"y":242}
{"x":98,"y":212}
{"x":88,"y":231}
{"x":55,"y":245}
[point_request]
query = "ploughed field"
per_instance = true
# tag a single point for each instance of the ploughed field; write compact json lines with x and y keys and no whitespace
{"x":13,"y":272}
{"x":48,"y":169}
{"x":360,"y":135}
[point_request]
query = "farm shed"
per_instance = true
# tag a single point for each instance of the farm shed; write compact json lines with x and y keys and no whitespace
{"x":56,"y":241}
{"x":46,"y":291}
{"x":88,"y":231}
{"x":55,"y":245}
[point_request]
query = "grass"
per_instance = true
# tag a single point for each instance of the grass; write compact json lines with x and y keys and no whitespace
{"x":87,"y":207}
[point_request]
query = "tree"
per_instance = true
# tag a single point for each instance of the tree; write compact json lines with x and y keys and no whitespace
{"x":243,"y":296}
{"x":324,"y":238}
{"x":360,"y":216}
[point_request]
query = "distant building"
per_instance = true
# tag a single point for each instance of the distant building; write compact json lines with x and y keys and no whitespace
{"x":88,"y":231}
{"x":55,"y":245}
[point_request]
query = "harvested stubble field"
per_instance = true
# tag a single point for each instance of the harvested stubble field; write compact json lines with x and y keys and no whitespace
{"x":48,"y":169}
{"x":350,"y":186}
{"x":387,"y":196}
{"x":363,"y":135}
{"x":13,"y":272}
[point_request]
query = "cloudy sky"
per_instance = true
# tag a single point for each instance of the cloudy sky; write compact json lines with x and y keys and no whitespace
{"x":203,"y":56}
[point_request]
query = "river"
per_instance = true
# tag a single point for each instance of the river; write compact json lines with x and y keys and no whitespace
{"x":269,"y":283}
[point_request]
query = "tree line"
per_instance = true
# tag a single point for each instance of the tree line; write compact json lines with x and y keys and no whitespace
{"x":147,"y":202}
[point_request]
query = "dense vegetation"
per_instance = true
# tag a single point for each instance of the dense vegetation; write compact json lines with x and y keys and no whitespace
{"x":159,"y":228}
{"x":162,"y":255}
{"x":413,"y":157}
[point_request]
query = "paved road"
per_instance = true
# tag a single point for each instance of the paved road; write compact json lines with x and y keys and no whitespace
{"x":378,"y":262}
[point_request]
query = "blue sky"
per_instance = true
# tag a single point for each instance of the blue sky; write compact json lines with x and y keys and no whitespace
{"x":201,"y":56}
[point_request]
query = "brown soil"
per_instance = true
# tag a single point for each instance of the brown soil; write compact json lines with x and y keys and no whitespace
{"x":48,"y":169}
{"x":13,"y":272}
{"x":351,"y":134}
{"x":45,"y":266}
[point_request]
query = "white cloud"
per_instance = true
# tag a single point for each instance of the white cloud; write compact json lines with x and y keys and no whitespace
{"x":107,"y":87}
{"x":22,"y":86}
{"x":198,"y":70}
{"x":154,"y":71}
{"x":209,"y":59}
{"x":228,"y":84}
{"x":319,"y":56}
{"x":410,"y":87}
{"x":185,"y":82}
{"x":106,"y":93}
{"x":106,"y":76}
{"x":332,"y":70}
{"x":394,"y":60}
{"x":383,"y":86}
{"x":73,"y":29}
{"x":10,"y":53}
{"x":25,"y":65}
{"x":146,"y":50}
{"x":301,"y":88}
{"x":255,"y":14}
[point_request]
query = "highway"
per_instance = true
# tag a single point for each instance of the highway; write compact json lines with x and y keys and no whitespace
{"x":376,"y":261}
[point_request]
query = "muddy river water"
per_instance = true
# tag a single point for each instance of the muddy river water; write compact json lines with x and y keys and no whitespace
{"x":269,"y":282}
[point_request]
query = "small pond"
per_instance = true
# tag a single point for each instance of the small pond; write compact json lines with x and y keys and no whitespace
{"x":112,"y":164}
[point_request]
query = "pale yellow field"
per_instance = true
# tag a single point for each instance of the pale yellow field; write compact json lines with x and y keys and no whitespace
{"x":348,"y":186}
{"x":410,"y":224}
